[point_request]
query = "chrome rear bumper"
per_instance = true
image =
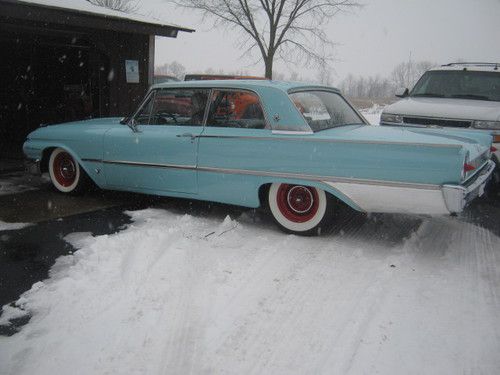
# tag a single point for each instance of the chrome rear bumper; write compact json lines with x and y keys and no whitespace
{"x":456,"y":197}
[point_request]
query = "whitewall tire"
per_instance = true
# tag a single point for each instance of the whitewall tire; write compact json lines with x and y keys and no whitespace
{"x":298,"y":209}
{"x":65,"y":172}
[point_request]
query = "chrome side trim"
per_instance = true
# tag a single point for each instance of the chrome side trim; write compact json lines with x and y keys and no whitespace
{"x":292,"y":132}
{"x":92,"y":160}
{"x":298,"y":176}
{"x":318,"y":178}
{"x":154,"y":165}
{"x":323,"y":140}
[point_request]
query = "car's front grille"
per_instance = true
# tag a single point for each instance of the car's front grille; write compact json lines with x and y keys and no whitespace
{"x":437,"y":122}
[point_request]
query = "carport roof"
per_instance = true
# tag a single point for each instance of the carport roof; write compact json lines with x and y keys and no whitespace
{"x":83,"y":13}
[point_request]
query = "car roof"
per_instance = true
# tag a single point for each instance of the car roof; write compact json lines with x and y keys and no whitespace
{"x":476,"y":67}
{"x":246,"y":84}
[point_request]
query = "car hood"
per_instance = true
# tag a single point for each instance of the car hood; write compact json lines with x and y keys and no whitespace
{"x":464,"y":109}
{"x":69,"y":130}
{"x":100,"y":122}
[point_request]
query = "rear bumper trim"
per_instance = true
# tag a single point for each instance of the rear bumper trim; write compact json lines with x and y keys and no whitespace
{"x":456,"y":197}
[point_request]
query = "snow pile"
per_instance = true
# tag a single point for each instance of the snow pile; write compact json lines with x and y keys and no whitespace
{"x":177,"y":294}
{"x":12,"y":226}
{"x":373,"y":114}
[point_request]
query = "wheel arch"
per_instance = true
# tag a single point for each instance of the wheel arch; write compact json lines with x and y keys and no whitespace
{"x":264,"y":188}
{"x":47,"y":151}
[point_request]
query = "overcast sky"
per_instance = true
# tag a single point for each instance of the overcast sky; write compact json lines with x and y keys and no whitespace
{"x":371,"y":40}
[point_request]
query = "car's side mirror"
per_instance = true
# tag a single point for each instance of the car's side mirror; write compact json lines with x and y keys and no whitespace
{"x":402,"y":92}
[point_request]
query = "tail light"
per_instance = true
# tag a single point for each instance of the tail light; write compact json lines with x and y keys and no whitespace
{"x":468,"y":167}
{"x":493,"y":149}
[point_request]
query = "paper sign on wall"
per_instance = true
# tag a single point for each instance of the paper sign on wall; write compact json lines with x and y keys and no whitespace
{"x":132,"y":71}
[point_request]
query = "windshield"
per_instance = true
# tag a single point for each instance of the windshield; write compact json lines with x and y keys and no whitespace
{"x":324,"y":109}
{"x":459,"y":84}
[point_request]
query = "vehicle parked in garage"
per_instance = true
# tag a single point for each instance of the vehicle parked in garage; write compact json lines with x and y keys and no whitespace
{"x":301,"y":150}
{"x":456,"y":95}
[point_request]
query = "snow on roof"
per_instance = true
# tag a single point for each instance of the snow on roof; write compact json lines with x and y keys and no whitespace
{"x":85,"y":7}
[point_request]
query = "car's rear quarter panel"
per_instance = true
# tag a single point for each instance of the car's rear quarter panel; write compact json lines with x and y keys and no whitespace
{"x":234,"y":163}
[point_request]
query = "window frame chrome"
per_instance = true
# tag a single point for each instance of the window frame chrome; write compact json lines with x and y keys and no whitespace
{"x":264,"y":111}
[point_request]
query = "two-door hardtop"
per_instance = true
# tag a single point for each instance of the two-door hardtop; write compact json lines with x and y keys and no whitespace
{"x":303,"y":150}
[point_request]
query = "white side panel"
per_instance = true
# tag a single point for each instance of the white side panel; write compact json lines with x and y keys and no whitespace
{"x":392,"y":199}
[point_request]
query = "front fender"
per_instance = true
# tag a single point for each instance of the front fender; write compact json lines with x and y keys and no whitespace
{"x":38,"y":149}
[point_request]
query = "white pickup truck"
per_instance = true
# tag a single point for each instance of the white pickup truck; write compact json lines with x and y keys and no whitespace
{"x":457,"y":95}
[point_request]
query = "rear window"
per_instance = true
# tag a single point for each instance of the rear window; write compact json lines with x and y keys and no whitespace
{"x":324,"y":109}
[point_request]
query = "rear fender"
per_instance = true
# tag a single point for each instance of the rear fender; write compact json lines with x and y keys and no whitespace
{"x":317,"y":184}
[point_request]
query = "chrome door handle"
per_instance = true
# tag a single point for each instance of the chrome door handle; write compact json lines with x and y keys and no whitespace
{"x":190,"y":135}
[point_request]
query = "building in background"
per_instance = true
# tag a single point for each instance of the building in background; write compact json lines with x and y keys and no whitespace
{"x":70,"y":60}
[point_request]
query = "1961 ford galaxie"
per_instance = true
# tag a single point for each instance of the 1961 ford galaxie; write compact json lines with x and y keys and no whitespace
{"x":301,"y":150}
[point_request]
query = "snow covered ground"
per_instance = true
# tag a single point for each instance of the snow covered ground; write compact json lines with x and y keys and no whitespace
{"x":182,"y":294}
{"x":373,"y":114}
{"x":12,"y":226}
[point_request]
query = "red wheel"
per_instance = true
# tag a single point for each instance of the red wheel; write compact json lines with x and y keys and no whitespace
{"x":297,"y":208}
{"x":64,"y":171}
{"x":297,"y":203}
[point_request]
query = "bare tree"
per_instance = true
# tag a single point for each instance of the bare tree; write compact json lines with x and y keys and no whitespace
{"x":406,"y":74}
{"x":288,"y":29}
{"x":175,"y":69}
{"x":324,"y":75}
{"x":127,"y":6}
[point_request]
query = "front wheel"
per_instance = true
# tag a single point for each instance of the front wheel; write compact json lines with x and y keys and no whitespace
{"x":65,"y":172}
{"x":299,"y":209}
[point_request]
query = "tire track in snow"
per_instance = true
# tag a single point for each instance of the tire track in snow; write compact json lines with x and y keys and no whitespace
{"x":454,"y":276}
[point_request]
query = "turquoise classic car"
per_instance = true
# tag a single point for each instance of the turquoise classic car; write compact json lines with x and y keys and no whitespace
{"x":301,"y":150}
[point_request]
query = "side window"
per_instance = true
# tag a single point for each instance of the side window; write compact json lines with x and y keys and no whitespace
{"x":142,"y":117}
{"x":179,"y":107}
{"x":236,"y":109}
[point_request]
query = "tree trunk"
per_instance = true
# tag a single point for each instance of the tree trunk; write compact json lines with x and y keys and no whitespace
{"x":269,"y":66}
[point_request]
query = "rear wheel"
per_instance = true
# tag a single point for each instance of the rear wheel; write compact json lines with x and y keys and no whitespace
{"x":300,"y":209}
{"x":65,"y":172}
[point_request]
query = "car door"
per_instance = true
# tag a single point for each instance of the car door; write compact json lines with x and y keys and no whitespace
{"x":158,"y":153}
{"x":237,"y":140}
